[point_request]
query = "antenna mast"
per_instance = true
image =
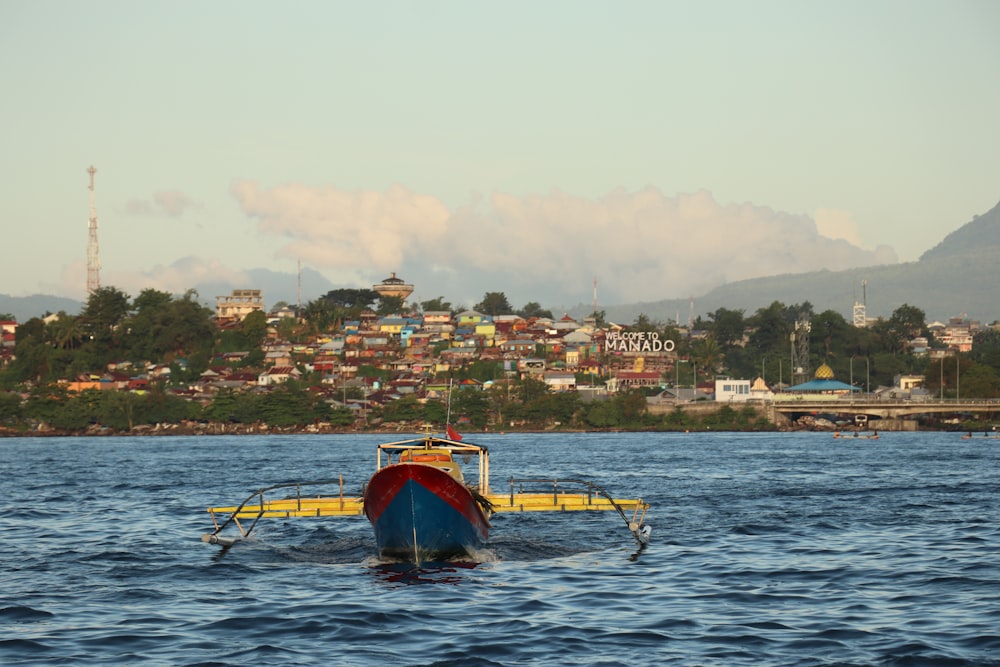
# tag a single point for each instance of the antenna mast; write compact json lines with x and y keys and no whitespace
{"x":861,"y":309}
{"x":93,"y":259}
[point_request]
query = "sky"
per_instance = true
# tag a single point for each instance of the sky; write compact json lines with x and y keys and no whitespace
{"x":659,"y":148}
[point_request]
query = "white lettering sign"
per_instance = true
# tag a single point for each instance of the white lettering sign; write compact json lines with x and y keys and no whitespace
{"x":636,"y":341}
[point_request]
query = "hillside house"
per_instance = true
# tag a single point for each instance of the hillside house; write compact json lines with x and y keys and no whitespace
{"x":239,"y":304}
{"x":519,"y":347}
{"x":559,"y":380}
{"x":278,"y":375}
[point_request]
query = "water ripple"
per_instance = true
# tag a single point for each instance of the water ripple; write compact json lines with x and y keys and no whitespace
{"x":768,"y":549}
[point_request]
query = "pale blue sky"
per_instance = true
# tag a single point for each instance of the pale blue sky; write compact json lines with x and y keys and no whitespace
{"x":567,"y":137}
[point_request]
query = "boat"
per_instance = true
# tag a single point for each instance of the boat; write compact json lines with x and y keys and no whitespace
{"x":420,"y":505}
{"x":857,"y":436}
{"x":986,"y":434}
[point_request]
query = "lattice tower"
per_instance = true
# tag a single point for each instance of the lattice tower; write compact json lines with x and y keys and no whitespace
{"x":800,"y":352}
{"x":93,"y":256}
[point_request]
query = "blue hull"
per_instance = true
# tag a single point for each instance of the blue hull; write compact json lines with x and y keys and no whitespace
{"x":421,"y":514}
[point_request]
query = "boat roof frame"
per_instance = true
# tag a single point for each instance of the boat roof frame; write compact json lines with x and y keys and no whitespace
{"x":428,"y":441}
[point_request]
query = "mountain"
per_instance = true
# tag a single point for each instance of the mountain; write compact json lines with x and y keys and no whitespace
{"x":23,"y":308}
{"x":957,"y":277}
{"x":274,"y":286}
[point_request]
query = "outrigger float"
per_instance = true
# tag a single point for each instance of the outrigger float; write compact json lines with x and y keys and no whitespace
{"x":419,"y":504}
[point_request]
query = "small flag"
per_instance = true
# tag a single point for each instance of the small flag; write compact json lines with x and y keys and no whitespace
{"x":453,"y":434}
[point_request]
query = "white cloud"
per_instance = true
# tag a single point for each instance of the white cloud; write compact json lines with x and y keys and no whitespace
{"x":346,"y":231}
{"x":641,"y":245}
{"x":171,"y":203}
{"x":836,"y":224}
{"x":176,"y":278}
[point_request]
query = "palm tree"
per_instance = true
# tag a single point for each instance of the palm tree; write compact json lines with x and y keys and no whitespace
{"x":65,"y":332}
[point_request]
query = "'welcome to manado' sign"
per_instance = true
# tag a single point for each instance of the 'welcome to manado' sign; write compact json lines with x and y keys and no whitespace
{"x":636,"y":341}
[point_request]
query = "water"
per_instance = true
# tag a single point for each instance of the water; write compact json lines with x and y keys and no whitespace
{"x":767,"y":549}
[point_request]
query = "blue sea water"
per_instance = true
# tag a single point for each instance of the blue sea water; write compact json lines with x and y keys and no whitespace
{"x":767,"y":549}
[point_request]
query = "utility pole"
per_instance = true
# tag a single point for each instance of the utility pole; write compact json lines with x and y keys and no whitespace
{"x":93,"y":257}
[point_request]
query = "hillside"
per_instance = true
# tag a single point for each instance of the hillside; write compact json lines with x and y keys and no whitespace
{"x":955,"y":277}
{"x":958,"y":276}
{"x":24,"y":308}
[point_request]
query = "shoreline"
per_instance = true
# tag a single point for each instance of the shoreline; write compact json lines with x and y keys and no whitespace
{"x":209,"y":429}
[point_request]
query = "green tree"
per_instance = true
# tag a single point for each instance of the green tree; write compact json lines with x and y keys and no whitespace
{"x":771,"y":329}
{"x":187,"y":329}
{"x":832,"y":333}
{"x":493,"y":304}
{"x":404,"y":409}
{"x":10,"y":408}
{"x":986,"y":349}
{"x":534,"y":309}
{"x":979,"y":381}
{"x":142,"y":328}
{"x":389,"y":305}
{"x":644,"y":323}
{"x":905,"y":323}
{"x":35,"y":360}
{"x":436,"y":305}
{"x":727,"y":327}
{"x":105,"y":310}
{"x":65,"y":332}
{"x":602,"y":414}
{"x":254,"y":328}
{"x":352,"y":300}
{"x":473,"y":404}
{"x":321,"y":315}
{"x":707,"y":355}
{"x":290,"y":404}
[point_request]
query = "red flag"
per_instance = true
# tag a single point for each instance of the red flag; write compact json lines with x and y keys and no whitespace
{"x":453,"y":434}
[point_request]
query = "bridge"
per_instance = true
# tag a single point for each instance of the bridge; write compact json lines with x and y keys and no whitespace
{"x":880,"y":408}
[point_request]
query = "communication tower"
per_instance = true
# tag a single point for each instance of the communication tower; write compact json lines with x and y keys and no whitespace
{"x":861,"y":309}
{"x":800,"y":351}
{"x":93,"y":258}
{"x":594,"y":311}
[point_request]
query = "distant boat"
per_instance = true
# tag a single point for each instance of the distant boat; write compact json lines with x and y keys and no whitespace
{"x":857,"y":436}
{"x":986,"y":434}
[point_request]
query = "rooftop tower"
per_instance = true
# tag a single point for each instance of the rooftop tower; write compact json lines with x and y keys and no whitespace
{"x":393,"y":286}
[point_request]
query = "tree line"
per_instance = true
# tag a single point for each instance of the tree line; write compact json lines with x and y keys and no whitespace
{"x":179,"y":332}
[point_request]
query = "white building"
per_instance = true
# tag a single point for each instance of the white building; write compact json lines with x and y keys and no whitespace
{"x":732,"y":391}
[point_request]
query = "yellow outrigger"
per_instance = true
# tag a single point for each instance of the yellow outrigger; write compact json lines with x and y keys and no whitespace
{"x":522,"y":495}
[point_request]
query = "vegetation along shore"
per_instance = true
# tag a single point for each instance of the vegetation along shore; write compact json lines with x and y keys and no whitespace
{"x":356,"y":360}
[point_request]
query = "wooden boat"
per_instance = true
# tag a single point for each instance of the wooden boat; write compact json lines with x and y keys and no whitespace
{"x":420,"y":505}
{"x":857,"y":436}
{"x":986,"y":434}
